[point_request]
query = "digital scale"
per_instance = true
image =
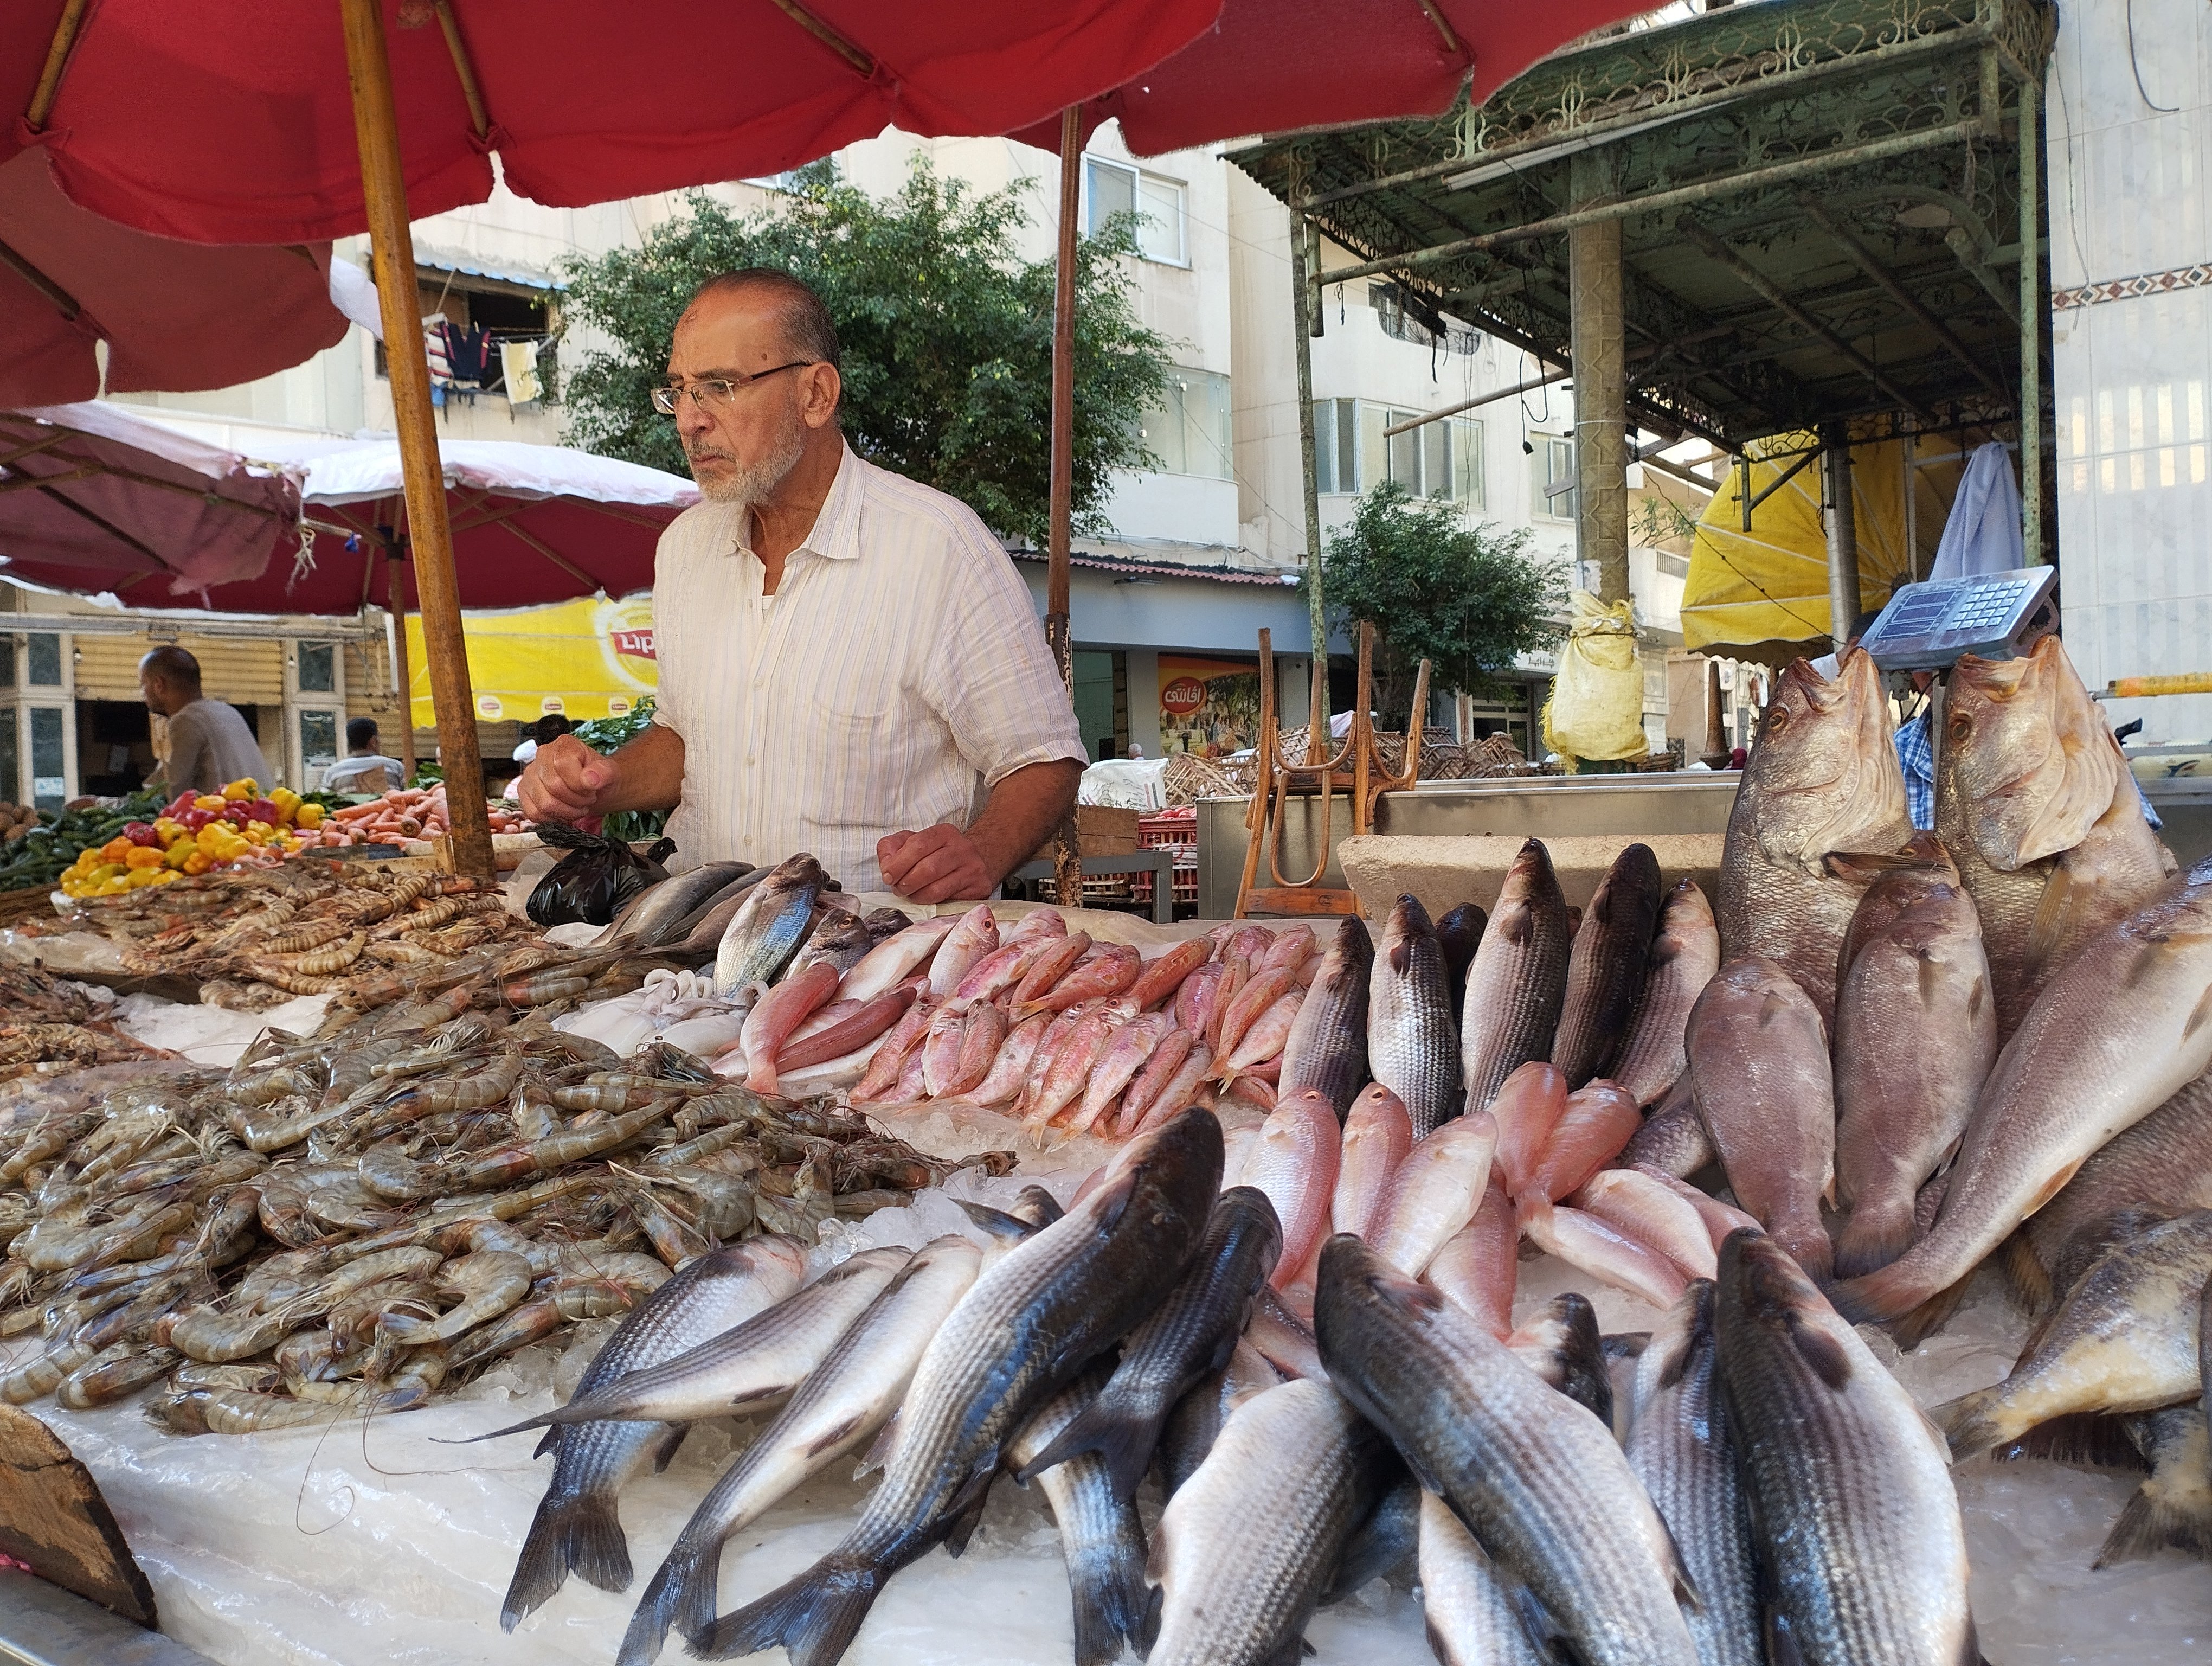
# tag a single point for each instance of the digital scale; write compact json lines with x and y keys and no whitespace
{"x":1998,"y":616}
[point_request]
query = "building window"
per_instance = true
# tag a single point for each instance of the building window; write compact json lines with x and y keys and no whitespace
{"x":1336,"y":444}
{"x":1189,"y":431}
{"x":1554,"y":465}
{"x":318,"y":667}
{"x":43,"y":667}
{"x":1401,"y":316}
{"x":49,"y":757}
{"x":1159,"y":206}
{"x":1440,"y":459}
{"x":469,"y":319}
{"x":7,"y":663}
{"x":319,"y":738}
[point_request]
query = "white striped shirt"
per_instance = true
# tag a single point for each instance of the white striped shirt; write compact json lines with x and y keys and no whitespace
{"x":899,"y":669}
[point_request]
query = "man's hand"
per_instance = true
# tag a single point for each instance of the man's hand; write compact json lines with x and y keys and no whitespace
{"x":566,"y":782}
{"x":939,"y":863}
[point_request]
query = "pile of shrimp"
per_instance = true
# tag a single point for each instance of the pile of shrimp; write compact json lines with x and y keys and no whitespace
{"x":50,"y":1022}
{"x":349,"y":1223}
{"x":255,"y":937}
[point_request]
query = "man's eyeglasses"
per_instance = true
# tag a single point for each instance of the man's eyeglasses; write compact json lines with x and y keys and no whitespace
{"x":715,"y":393}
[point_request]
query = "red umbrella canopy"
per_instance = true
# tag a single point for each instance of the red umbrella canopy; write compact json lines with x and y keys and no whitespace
{"x":230,"y":124}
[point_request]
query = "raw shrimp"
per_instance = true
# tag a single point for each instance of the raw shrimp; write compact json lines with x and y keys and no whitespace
{"x":496,"y":1168}
{"x":203,"y":1334}
{"x":488,"y":1283}
{"x":42,"y":1376}
{"x":484,"y":1087}
{"x":517,"y":1327}
{"x":114,"y":1373}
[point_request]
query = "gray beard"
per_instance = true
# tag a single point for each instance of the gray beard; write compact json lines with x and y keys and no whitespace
{"x":756,"y":483}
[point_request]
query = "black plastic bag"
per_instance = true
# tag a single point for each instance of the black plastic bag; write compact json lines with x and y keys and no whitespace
{"x":589,"y":885}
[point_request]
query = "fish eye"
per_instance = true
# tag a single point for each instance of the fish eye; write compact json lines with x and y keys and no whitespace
{"x":1959,"y":726}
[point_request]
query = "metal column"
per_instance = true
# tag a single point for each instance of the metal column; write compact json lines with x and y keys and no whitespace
{"x":1842,"y":541}
{"x":1302,"y":312}
{"x":2032,"y":308}
{"x":1594,"y":283}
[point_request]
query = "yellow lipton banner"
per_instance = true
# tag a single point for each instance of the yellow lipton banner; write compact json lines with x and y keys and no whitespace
{"x":585,"y":658}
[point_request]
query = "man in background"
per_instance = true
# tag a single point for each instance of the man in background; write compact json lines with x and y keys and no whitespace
{"x":363,"y":769}
{"x":210,"y":745}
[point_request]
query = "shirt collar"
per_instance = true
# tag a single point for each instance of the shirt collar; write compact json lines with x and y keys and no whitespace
{"x":836,"y":534}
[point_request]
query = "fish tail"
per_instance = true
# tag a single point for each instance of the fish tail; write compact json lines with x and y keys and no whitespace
{"x":2026,"y":1276}
{"x":1110,"y":1597}
{"x":2080,"y":1440}
{"x":1874,"y":1236}
{"x":815,"y":1617}
{"x":1973,"y":1423}
{"x":2157,"y":1518}
{"x":678,"y":1599}
{"x":1930,"y":1316}
{"x":1123,"y":1441}
{"x":580,"y":1535}
{"x":1877,"y":1298}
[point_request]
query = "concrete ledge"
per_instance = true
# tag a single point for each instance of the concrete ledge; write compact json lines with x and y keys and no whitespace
{"x":1445,"y":872}
{"x":43,"y":1625}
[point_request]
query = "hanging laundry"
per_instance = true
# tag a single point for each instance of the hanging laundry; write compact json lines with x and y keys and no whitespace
{"x":518,"y":365}
{"x":434,"y":348}
{"x":468,"y":352}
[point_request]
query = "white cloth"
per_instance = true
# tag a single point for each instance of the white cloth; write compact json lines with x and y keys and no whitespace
{"x":347,"y":770}
{"x":899,"y":667}
{"x":518,"y":368}
{"x":525,"y":751}
{"x":1982,"y":533}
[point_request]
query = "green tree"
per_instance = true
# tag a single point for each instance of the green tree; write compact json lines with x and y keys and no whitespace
{"x":946,"y":331}
{"x":1465,"y":597}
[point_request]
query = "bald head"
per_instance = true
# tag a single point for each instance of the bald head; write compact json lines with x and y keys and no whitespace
{"x":169,"y":678}
{"x":756,"y":355}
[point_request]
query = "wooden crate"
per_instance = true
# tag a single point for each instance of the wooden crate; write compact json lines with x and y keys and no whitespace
{"x":1099,"y":832}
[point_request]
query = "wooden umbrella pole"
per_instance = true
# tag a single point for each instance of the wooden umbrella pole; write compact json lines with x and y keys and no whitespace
{"x":396,"y":602}
{"x":438,"y":591}
{"x":1066,"y":857}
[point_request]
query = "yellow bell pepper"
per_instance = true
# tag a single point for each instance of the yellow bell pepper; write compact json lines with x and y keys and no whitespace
{"x":308,"y":815}
{"x":209,"y":801}
{"x":198,"y":862}
{"x":143,"y":855}
{"x":163,"y":876}
{"x":116,"y":849}
{"x":286,"y":800}
{"x":244,"y":787}
{"x":114,"y":887}
{"x":255,"y":832}
{"x":178,"y":854}
{"x":168,"y":830}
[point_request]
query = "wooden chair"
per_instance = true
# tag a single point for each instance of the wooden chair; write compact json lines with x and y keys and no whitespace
{"x":1355,"y":769}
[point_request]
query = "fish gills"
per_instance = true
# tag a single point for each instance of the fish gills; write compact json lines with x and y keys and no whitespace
{"x":1858,"y":1523}
{"x":1327,"y":1044}
{"x":1684,"y":955}
{"x":1606,"y":966}
{"x":1517,"y":982}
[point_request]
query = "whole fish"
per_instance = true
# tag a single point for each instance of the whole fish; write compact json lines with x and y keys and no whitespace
{"x":1259,"y":1051}
{"x":1195,"y":1422}
{"x":1267,"y":986}
{"x":2124,"y":1339}
{"x":1292,"y":946}
{"x":1189,"y":1338}
{"x":1684,"y":955}
{"x":1413,"y":1047}
{"x":941,"y":1046}
{"x":1644,"y":1207}
{"x":996,"y":973}
{"x":1102,"y":1538}
{"x":1823,"y":781}
{"x":1377,"y":1134}
{"x":1030,"y":1322}
{"x":2171,"y":1510}
{"x":840,"y":941}
{"x":1720,"y":1218}
{"x":1517,"y":982}
{"x":1479,"y":1264}
{"x":778,"y":1013}
{"x":1294,"y":1164}
{"x":1003,"y":1079}
{"x":1057,"y":960}
{"x":837,"y":1029}
{"x":1683,"y":1451}
{"x":845,"y":1399}
{"x":2034,"y":802}
{"x":1527,"y":1109}
{"x":648,"y":920}
{"x":1198,"y":997}
{"x":1915,"y":1035}
{"x":1537,"y":1478}
{"x":1248,"y":1543}
{"x":1460,"y":931}
{"x":1858,"y":1524}
{"x":1181,"y":1090}
{"x":1760,"y":1060}
{"x":700,"y":932}
{"x":1561,"y":1344}
{"x":1606,"y":966}
{"x":980,"y":1039}
{"x":576,"y":1526}
{"x":1125,"y":1054}
{"x":767,"y":930}
{"x":1435,"y":1192}
{"x":1069,"y":1072}
{"x":1327,"y":1045}
{"x":1594,"y":1124}
{"x":974,"y":936}
{"x":1162,"y":976}
{"x":1673,"y":1139}
{"x":2124,"y":1025}
{"x":1472,"y":1616}
{"x":1038,"y":922}
{"x":1107,"y":973}
{"x":1606,"y":1252}
{"x":1160,"y":1067}
{"x":897,"y":959}
{"x":902,"y":1042}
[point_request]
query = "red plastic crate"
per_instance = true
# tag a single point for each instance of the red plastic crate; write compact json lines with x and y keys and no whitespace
{"x":1169,"y":827}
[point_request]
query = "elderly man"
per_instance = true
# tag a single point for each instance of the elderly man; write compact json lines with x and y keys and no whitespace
{"x":210,"y":745}
{"x":848,"y":663}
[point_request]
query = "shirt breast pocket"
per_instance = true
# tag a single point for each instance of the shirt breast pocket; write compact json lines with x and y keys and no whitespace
{"x":861,"y":764}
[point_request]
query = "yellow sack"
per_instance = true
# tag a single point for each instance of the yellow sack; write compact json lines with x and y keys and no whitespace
{"x":1597,"y":707}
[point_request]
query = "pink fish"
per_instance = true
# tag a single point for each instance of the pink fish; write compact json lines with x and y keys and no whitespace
{"x":1649,"y":1212}
{"x":1295,"y":1163}
{"x":999,"y":970}
{"x":1160,"y":1067}
{"x":1107,"y":973}
{"x":901,"y":1041}
{"x":1289,"y":948}
{"x":1606,"y":1252}
{"x":1047,"y":1048}
{"x":913,"y":1087}
{"x":1197,"y":997}
{"x":1528,"y":1105}
{"x":1248,"y":943}
{"x":1181,"y":1090}
{"x":893,"y":960}
{"x":1595,"y":1123}
{"x":1237,"y":972}
{"x":1124,"y":1057}
{"x":1069,"y":1073}
{"x":1269,"y":985}
{"x":1246,"y":1095}
{"x":1720,"y":1218}
{"x":1036,"y":924}
{"x":1283,"y":1339}
{"x":841,"y":1027}
{"x":1262,"y":1044}
{"x":1055,"y":963}
{"x":1436,"y":1192}
{"x":1309,"y":970}
{"x":1161,"y":978}
{"x":1377,"y":1134}
{"x":976,"y":936}
{"x":981,"y":1037}
{"x":1003,"y":1081}
{"x":940,"y":1048}
{"x":1479,"y":1264}
{"x":777,"y":1013}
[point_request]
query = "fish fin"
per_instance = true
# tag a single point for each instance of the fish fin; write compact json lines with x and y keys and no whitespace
{"x":2198,"y":1015}
{"x":547,"y":1441}
{"x":2025,"y":1276}
{"x":665,"y":1454}
{"x":1782,"y":1648}
{"x":2057,"y":1183}
{"x":1824,"y":1353}
{"x":1111,"y":1602}
{"x":2080,"y":1440}
{"x":831,"y":1437}
{"x":679,"y":1598}
{"x":879,"y":1449}
{"x":2061,"y":899}
{"x":1677,"y":1571}
{"x":578,"y":1533}
{"x":1970,"y":1423}
{"x":1930,"y":1316}
{"x":1872,"y":1237}
{"x":2154,"y":1521}
{"x":1081,"y":1434}
{"x":969,"y":1517}
{"x":1970,"y":1647}
{"x":1002,"y":1227}
{"x":1546,"y":1635}
{"x":815,"y":1617}
{"x":545,"y":1445}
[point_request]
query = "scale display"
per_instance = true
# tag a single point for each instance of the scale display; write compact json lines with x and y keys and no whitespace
{"x":1926,"y":626}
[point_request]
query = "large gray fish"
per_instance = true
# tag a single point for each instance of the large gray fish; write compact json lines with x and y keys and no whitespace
{"x":1191,"y":1335}
{"x":1681,"y":1450}
{"x":1823,"y":781}
{"x":1032,"y":1322}
{"x":1327,"y":1044}
{"x":1412,"y":1046}
{"x":1606,"y":967}
{"x":700,"y":932}
{"x":2125,"y":1339}
{"x":2171,"y":1510}
{"x":769,"y":926}
{"x":1385,"y":1545}
{"x":577,"y":1525}
{"x":1760,"y":1062}
{"x":1673,"y":1139}
{"x":1858,"y":1524}
{"x":1518,"y":980}
{"x":650,"y":918}
{"x":841,"y":1404}
{"x":1247,"y":1544}
{"x":1195,"y":1422}
{"x":747,"y":1367}
{"x":2034,"y":802}
{"x":1915,"y":1035}
{"x":1102,"y":1538}
{"x":1472,"y":1617}
{"x":1460,"y":931}
{"x":842,"y":939}
{"x":1536,"y":1478}
{"x":1562,"y":1345}
{"x":2124,"y":1025}
{"x":1684,"y":955}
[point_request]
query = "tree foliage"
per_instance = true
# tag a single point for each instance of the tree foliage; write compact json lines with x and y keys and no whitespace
{"x":1467,"y":598}
{"x":946,"y":331}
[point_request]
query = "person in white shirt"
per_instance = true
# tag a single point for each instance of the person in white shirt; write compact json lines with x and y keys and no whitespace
{"x":848,"y":663}
{"x":363,"y":769}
